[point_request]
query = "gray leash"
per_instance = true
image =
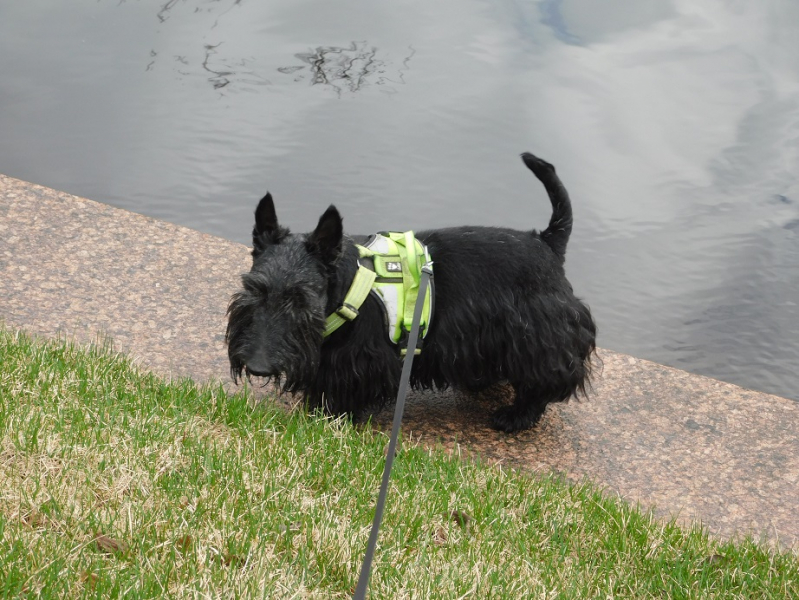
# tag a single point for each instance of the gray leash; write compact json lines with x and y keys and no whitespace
{"x":363,"y":579}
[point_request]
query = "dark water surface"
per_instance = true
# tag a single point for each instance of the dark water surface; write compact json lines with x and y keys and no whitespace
{"x":674,"y":124}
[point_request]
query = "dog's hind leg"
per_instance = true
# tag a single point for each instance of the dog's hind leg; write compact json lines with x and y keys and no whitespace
{"x":527,"y":408}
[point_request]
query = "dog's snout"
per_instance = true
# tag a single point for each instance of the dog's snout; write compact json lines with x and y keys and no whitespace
{"x":260,"y":366}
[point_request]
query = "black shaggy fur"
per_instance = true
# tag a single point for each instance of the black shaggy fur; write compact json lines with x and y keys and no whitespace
{"x":505,"y":312}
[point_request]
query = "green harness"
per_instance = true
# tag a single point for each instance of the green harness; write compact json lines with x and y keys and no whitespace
{"x":390,"y":268}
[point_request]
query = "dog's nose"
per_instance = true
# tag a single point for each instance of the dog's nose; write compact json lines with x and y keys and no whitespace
{"x":260,"y":366}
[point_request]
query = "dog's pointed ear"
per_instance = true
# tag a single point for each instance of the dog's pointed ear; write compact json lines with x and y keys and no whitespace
{"x":325,"y":241}
{"x":265,"y":215}
{"x":266,"y":230}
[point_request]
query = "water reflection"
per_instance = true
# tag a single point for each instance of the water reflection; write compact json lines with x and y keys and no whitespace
{"x":347,"y":68}
{"x":211,"y":63}
{"x":552,"y":16}
{"x":216,"y":6}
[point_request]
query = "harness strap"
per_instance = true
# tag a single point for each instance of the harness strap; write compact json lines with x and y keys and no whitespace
{"x":409,"y":261}
{"x":359,"y":290}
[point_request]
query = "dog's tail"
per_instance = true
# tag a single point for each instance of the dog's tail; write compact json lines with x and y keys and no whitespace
{"x":556,"y":235}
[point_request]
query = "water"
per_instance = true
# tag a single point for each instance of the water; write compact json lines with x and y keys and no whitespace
{"x":674,"y":124}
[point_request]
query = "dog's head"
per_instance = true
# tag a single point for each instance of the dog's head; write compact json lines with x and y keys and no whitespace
{"x":276,"y":321}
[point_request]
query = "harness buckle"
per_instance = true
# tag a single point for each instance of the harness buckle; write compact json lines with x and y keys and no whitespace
{"x":402,"y":342}
{"x":347,"y":311}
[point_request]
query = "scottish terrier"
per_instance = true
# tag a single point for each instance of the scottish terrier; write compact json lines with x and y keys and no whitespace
{"x":504,"y":312}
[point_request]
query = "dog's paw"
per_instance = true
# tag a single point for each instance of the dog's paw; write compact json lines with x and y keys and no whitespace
{"x":509,"y":420}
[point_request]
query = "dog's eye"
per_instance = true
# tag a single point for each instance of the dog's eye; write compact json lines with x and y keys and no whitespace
{"x":295,"y":299}
{"x":254,"y":285}
{"x":256,"y":290}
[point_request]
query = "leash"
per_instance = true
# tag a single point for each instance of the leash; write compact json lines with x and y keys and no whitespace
{"x":363,"y":579}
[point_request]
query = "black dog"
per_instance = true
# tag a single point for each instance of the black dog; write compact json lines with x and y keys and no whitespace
{"x":504,"y":312}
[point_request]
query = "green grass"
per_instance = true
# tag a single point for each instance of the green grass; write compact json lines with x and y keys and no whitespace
{"x":116,"y":483}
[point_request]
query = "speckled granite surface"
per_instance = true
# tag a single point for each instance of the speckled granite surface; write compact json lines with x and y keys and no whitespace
{"x":688,"y":445}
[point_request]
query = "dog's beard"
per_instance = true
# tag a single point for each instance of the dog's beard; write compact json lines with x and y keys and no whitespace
{"x":302,"y":374}
{"x":290,"y":383}
{"x":298,"y":378}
